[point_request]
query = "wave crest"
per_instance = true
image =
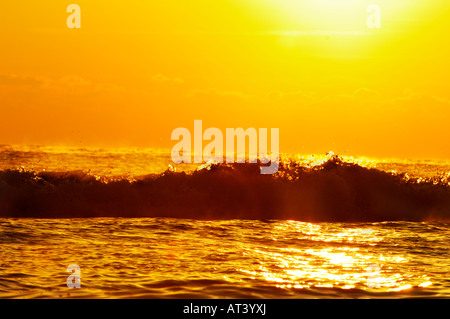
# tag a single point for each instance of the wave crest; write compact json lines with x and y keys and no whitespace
{"x":332,"y":191}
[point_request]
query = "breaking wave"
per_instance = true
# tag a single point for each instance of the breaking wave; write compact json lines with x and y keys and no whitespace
{"x":333,"y":191}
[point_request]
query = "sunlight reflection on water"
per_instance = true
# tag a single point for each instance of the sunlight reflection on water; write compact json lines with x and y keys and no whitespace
{"x":157,"y":257}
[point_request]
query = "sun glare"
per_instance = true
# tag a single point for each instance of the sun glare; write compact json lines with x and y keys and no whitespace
{"x":336,"y":15}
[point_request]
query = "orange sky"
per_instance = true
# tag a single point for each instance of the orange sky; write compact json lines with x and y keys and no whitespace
{"x":136,"y":70}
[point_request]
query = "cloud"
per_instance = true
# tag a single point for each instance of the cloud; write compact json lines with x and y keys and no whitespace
{"x":420,"y":105}
{"x":21,"y":80}
{"x":216,"y":93}
{"x":159,"y":78}
{"x":68,"y":84}
{"x":365,"y":93}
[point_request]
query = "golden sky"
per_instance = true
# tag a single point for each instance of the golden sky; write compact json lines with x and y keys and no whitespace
{"x":138,"y":69}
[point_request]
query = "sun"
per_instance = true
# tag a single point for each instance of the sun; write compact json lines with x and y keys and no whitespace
{"x":332,"y":15}
{"x":338,"y":15}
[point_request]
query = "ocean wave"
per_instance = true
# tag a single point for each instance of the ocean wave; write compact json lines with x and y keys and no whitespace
{"x":333,"y":191}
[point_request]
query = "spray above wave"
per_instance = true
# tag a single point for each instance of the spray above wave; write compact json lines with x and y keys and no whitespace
{"x":332,"y":191}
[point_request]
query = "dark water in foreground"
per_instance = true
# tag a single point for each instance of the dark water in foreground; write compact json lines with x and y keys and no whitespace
{"x":180,"y":258}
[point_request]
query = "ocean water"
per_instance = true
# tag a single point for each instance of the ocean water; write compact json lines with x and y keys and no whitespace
{"x":140,"y":227}
{"x":181,"y":258}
